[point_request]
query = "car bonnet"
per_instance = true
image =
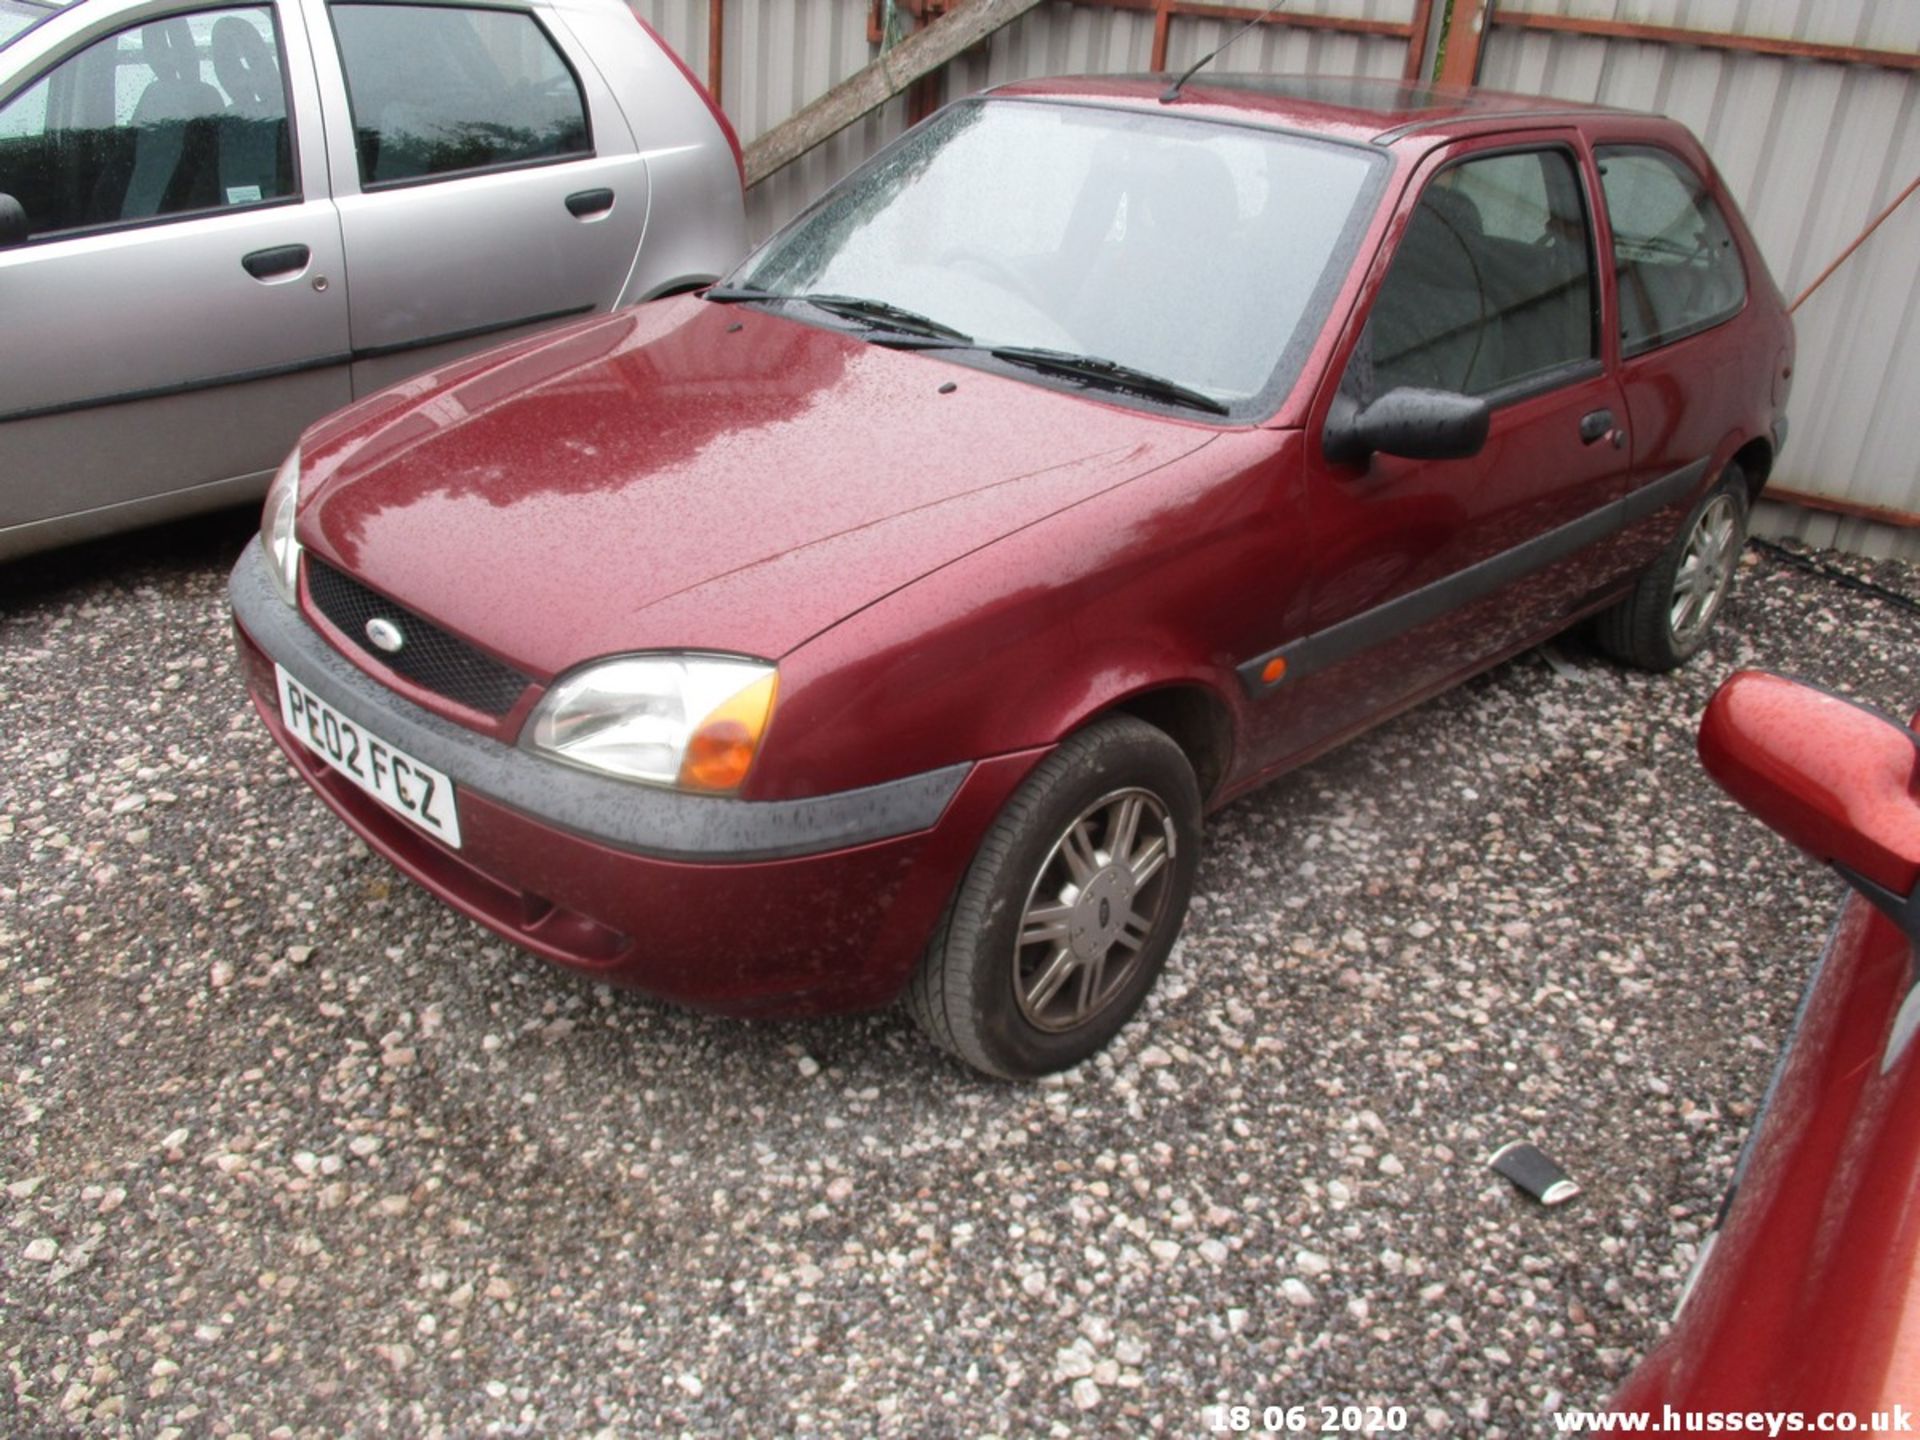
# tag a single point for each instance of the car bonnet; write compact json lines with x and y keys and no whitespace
{"x":695,"y":475}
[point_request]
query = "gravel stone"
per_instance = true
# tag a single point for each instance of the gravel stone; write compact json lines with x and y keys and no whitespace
{"x":316,"y":1156}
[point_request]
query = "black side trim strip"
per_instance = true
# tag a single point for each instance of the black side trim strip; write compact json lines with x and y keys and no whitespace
{"x":1325,"y":648}
{"x":375,"y":352}
{"x":185,"y":387}
{"x":639,"y":819}
{"x":274,"y":372}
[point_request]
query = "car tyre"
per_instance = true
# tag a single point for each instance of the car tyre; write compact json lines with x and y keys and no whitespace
{"x":1666,"y":619}
{"x":1067,"y":914}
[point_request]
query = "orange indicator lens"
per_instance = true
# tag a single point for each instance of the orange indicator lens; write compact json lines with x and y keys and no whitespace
{"x":721,"y":751}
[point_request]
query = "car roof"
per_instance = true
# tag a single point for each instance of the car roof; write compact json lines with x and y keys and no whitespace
{"x":1377,"y":111}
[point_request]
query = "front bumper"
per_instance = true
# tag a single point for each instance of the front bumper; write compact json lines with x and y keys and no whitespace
{"x":793,"y":907}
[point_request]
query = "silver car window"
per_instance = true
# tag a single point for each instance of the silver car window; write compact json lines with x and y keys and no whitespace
{"x":440,"y":90}
{"x":178,"y":116}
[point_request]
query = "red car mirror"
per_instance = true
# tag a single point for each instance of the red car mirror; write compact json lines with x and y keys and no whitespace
{"x":1838,"y":780}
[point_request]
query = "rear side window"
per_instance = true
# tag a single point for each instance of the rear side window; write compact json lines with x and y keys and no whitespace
{"x":1492,"y":286}
{"x":1677,"y":267}
{"x":437,"y":90}
{"x":179,"y":116}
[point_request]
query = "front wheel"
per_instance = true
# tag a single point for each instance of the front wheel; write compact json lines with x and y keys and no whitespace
{"x":1665,"y":621}
{"x":1069,"y":909}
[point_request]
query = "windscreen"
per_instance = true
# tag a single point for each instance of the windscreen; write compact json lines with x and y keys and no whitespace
{"x":1201,"y":252}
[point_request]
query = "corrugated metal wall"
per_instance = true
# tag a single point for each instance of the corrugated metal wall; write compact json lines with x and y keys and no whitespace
{"x":1813,"y":150}
{"x":780,"y":54}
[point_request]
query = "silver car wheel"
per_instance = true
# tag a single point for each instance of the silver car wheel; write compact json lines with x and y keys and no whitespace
{"x":1097,"y":900}
{"x":1706,"y":571}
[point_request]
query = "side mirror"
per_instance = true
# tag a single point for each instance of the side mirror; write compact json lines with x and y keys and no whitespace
{"x":1413,"y":424}
{"x":13,"y":221}
{"x":1838,"y":780}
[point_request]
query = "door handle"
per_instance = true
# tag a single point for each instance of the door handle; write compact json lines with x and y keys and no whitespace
{"x":1596,"y":426}
{"x":583,"y":203}
{"x":279,"y":260}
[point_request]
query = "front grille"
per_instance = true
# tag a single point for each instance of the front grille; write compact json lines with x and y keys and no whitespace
{"x":429,"y":656}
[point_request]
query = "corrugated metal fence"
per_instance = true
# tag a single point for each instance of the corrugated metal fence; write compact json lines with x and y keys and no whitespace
{"x":780,"y":54}
{"x":1812,"y":147}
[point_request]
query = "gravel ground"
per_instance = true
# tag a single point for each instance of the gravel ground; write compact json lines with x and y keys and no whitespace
{"x":288,"y":1149}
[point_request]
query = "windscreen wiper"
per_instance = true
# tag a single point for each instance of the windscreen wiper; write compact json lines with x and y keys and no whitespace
{"x":1108,"y":374}
{"x":920,"y":332}
{"x":896,"y":318}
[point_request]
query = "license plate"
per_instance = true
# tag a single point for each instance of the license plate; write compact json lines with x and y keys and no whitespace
{"x":416,"y":791}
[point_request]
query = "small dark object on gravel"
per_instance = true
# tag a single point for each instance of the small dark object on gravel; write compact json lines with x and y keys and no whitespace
{"x":1535,"y":1172}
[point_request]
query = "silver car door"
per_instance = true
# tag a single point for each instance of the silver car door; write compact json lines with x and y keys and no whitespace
{"x":487,"y":182}
{"x":176,"y":313}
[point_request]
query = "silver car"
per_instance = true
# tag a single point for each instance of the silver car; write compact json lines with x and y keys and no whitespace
{"x":219,"y":222}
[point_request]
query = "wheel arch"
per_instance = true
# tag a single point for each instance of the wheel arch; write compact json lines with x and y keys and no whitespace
{"x":1194,"y":717}
{"x":1755,"y":459}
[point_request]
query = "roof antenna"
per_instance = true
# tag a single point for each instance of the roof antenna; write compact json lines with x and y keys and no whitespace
{"x":1172,"y":92}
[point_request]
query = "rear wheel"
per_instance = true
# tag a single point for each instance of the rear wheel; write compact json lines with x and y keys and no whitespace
{"x":1070,"y":908}
{"x":1665,"y":621}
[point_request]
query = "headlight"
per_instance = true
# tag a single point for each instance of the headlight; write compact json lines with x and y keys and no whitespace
{"x":694,"y":721}
{"x":276,"y":529}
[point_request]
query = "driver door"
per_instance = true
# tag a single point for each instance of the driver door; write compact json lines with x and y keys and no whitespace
{"x":1427,"y":570}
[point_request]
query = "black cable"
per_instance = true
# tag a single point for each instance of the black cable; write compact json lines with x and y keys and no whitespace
{"x":1835,"y":574}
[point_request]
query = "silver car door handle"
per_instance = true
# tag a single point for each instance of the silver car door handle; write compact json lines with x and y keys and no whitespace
{"x":583,"y":203}
{"x":279,"y":260}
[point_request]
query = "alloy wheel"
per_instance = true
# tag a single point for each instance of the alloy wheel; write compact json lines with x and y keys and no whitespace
{"x":1099,"y":897}
{"x":1706,"y":570}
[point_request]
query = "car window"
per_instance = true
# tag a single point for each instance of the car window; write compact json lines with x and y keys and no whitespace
{"x":438,"y":90}
{"x":1199,"y":252}
{"x":178,"y":116}
{"x":1492,"y":284}
{"x":1677,"y":268}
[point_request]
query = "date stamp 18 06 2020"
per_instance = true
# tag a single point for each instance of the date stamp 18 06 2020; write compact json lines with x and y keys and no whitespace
{"x":1312,"y":1419}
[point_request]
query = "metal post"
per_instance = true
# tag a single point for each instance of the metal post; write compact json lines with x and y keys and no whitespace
{"x":1162,"y":22}
{"x":1420,"y":24}
{"x":1470,"y":21}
